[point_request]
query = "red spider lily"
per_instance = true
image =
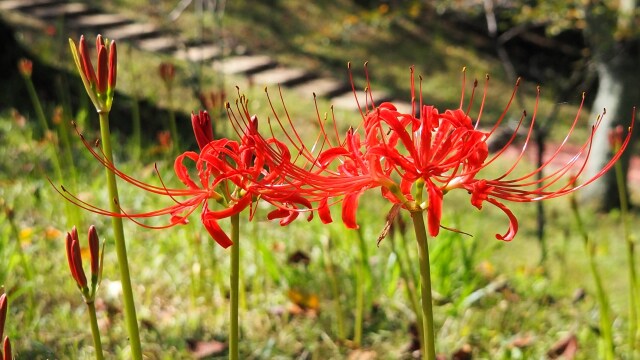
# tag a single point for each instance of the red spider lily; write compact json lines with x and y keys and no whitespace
{"x":405,"y":155}
{"x":100,"y":85}
{"x":227,"y":172}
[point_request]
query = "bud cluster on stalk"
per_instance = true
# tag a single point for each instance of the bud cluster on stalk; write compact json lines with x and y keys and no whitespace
{"x":74,"y":258}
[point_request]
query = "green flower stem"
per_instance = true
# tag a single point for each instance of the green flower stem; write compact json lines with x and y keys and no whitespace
{"x":136,"y":131}
{"x":357,"y":326}
{"x":72,"y":213}
{"x":95,"y":331}
{"x":121,"y":249}
{"x":410,"y":289}
{"x":429,"y":352}
{"x":172,"y":122}
{"x":601,"y":295}
{"x":37,"y":106}
{"x":631,"y":263}
{"x":235,"y":280}
{"x":363,"y":278}
{"x":335,"y":291}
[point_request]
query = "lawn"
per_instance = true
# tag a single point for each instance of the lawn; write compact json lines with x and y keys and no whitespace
{"x":307,"y":290}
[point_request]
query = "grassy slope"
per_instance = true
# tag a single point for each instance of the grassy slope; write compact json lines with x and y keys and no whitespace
{"x":181,"y":275}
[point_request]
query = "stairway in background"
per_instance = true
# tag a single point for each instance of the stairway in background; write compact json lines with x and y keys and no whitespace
{"x":260,"y":69}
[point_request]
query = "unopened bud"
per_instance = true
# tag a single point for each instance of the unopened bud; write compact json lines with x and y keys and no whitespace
{"x":25,"y":67}
{"x":94,"y":251}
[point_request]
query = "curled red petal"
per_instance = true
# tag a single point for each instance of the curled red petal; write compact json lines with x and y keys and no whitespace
{"x":324,"y":212}
{"x":513,"y":221}
{"x":349,"y":209}
{"x":285,"y":216}
{"x":215,"y":231}
{"x":181,"y":170}
{"x":434,"y":209}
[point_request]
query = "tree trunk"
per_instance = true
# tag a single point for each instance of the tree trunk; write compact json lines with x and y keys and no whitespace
{"x":616,"y":56}
{"x":618,"y":92}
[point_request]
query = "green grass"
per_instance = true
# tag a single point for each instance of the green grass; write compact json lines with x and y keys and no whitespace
{"x":180,"y":275}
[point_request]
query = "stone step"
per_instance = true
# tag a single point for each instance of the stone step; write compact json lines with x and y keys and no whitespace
{"x":98,"y":21}
{"x":198,"y":53}
{"x":131,"y":31}
{"x":244,"y":64}
{"x":163,"y":43}
{"x":59,"y":10}
{"x":322,"y":87}
{"x":23,"y":5}
{"x":281,"y":76}
{"x":347,"y":100}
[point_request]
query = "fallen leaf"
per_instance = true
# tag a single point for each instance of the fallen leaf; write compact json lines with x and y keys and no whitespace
{"x":204,"y":349}
{"x":578,"y":296}
{"x":522,"y":341}
{"x":360,"y":354}
{"x":299,"y":257}
{"x":566,"y":348}
{"x":464,"y":353}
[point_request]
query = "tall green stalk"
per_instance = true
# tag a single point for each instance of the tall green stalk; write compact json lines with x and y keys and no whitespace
{"x":121,"y":249}
{"x":631,"y":263}
{"x":95,"y":331}
{"x":172,"y":122}
{"x":429,"y":352}
{"x":363,"y":277}
{"x":71,"y":211}
{"x":335,"y":290}
{"x":608,"y":352}
{"x":410,"y":288}
{"x":234,"y":334}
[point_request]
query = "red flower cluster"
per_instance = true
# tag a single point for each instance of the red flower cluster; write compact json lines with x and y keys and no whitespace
{"x":229,"y":174}
{"x":414,"y":158}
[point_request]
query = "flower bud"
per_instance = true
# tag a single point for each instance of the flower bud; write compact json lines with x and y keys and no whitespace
{"x":25,"y":67}
{"x":74,"y":258}
{"x":94,"y":250}
{"x":202,"y":129}
{"x":6,"y":349}
{"x":3,"y":312}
